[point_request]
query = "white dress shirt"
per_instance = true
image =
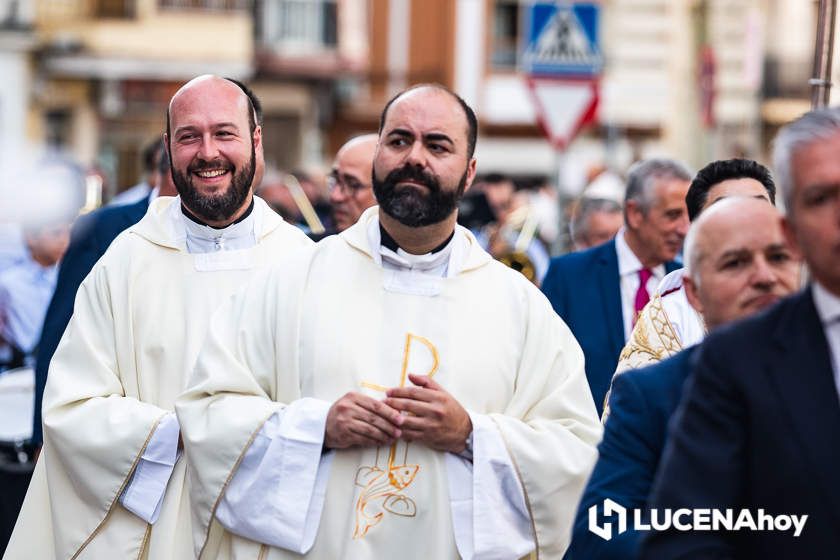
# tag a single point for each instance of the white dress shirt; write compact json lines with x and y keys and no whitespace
{"x":25,"y":292}
{"x":828,"y":309}
{"x":629,"y":266}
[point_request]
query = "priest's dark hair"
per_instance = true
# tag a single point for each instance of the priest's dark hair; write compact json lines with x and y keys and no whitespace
{"x":725,"y":170}
{"x":472,"y":121}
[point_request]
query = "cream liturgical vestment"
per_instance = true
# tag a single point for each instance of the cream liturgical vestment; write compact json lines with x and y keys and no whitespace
{"x":351,"y":315}
{"x":139,"y":320}
{"x":665,"y":326}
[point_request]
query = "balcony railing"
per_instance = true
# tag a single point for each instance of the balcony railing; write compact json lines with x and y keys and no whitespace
{"x":295,"y":27}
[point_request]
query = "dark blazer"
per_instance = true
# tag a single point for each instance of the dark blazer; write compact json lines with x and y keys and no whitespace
{"x":584,"y":289}
{"x":89,"y":239}
{"x":642,"y":402}
{"x":758,"y":427}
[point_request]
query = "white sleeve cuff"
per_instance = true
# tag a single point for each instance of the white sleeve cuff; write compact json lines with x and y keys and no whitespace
{"x":283,"y":469}
{"x":489,"y":515}
{"x":144,"y":494}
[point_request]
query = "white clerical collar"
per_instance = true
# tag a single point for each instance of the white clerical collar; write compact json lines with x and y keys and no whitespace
{"x":200,"y":238}
{"x":628,"y":262}
{"x":827,"y":304}
{"x":417,"y":274}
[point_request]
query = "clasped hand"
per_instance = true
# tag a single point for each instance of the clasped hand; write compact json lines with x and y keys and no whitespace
{"x":424,"y":412}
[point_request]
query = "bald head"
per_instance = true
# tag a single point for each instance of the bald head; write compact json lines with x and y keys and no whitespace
{"x":208,"y":82}
{"x":350,"y":185}
{"x":470,"y":119}
{"x":359,"y":147}
{"x":737,"y":260}
{"x":213,"y":141}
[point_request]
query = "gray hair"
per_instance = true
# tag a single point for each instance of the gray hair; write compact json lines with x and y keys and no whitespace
{"x":811,"y":127}
{"x":579,"y":226}
{"x":644,"y":174}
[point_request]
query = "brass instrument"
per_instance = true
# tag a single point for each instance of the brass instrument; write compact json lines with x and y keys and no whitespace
{"x":823,"y":50}
{"x":515,"y":256}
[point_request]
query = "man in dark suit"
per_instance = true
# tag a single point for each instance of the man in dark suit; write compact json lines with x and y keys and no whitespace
{"x":759,"y":424}
{"x":599,"y":292}
{"x":642,"y":401}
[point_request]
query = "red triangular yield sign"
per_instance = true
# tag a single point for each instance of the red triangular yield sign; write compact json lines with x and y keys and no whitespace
{"x":563,"y":107}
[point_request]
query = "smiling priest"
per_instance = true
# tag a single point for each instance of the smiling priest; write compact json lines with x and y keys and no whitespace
{"x":110,"y":479}
{"x":392,"y":392}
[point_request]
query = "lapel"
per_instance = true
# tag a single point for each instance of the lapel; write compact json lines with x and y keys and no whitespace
{"x":610,"y":289}
{"x":671,"y":266}
{"x":801,"y":369}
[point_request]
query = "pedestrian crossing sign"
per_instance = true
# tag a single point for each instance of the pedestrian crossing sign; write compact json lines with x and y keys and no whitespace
{"x":563,"y":39}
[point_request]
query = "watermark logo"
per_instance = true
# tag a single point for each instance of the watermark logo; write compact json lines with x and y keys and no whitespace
{"x":604,"y":530}
{"x":683,"y":519}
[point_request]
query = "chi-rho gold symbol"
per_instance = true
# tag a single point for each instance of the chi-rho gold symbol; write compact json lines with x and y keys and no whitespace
{"x":382,"y":487}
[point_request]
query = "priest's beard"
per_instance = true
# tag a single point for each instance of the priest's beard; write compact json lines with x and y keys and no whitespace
{"x":216,"y":207}
{"x":411,"y":207}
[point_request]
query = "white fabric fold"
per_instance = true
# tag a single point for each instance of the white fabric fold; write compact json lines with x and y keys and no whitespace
{"x":143,"y":495}
{"x":283,"y":469}
{"x":489,"y":515}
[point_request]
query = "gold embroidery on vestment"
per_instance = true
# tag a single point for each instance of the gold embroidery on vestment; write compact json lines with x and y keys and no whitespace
{"x":382,"y":489}
{"x":645,"y":347}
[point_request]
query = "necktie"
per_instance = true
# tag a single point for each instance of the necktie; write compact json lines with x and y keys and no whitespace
{"x":642,"y":296}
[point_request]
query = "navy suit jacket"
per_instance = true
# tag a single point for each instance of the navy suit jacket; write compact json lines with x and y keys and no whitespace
{"x":90,"y":237}
{"x":584,"y":289}
{"x":758,"y":427}
{"x":642,"y":402}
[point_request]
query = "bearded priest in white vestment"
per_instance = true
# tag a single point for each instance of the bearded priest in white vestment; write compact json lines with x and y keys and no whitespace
{"x":392,"y":392}
{"x":110,"y":481}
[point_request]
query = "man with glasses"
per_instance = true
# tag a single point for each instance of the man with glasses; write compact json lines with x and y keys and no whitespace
{"x":349,"y":182}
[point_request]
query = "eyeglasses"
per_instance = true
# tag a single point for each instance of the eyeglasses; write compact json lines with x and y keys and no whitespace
{"x":347,"y":186}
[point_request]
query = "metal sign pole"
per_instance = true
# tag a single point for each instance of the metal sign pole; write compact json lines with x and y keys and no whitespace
{"x":823,"y":50}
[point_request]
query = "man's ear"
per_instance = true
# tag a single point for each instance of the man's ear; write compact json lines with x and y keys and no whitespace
{"x":633,"y":214}
{"x":471,"y":167}
{"x":789,"y":231}
{"x":257,"y":138}
{"x":691,"y":293}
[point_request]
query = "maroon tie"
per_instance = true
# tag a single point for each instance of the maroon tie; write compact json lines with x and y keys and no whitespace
{"x":642,"y":296}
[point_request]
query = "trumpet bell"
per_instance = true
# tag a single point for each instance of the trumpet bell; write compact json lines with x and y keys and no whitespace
{"x":520,"y":262}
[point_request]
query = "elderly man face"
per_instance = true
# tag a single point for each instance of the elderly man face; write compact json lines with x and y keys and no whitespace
{"x":349,"y":182}
{"x":422,"y":166}
{"x":212,"y":148}
{"x":813,"y":222}
{"x":738,"y":260}
{"x":661,"y":227}
{"x":596,"y":222}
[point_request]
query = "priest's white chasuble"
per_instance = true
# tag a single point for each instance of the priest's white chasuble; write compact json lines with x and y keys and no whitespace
{"x":338,"y":317}
{"x":139,"y":320}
